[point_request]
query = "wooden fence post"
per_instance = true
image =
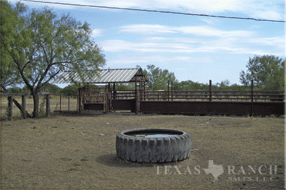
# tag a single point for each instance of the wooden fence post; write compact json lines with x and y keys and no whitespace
{"x":48,"y":105}
{"x":136,"y":97}
{"x":137,"y":101}
{"x":114,"y":93}
{"x":10,"y":108}
{"x":109,"y":99}
{"x":141,"y":90}
{"x":144,"y":91}
{"x":79,"y":100}
{"x":24,"y":106}
{"x":106,"y":99}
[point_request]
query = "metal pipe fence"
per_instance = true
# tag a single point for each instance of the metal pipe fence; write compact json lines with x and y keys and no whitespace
{"x":202,"y":95}
{"x":222,"y":95}
{"x":123,"y":94}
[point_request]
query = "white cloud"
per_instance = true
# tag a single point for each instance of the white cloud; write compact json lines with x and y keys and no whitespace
{"x":121,"y":45}
{"x":211,"y":21}
{"x":195,"y":30}
{"x":165,"y":47}
{"x":136,"y":59}
{"x":114,"y":3}
{"x":96,"y":32}
{"x":210,"y":31}
{"x":196,"y":39}
{"x":147,"y":29}
{"x":263,"y":9}
{"x":278,"y":42}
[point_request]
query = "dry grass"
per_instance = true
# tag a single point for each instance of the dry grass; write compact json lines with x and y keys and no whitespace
{"x":67,"y":152}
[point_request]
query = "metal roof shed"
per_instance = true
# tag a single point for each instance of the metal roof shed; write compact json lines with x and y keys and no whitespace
{"x":108,"y":76}
{"x":105,"y":76}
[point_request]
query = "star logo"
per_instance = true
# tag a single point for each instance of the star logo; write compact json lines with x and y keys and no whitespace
{"x":215,"y":170}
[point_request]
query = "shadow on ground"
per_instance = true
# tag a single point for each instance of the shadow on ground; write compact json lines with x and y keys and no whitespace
{"x":76,"y":114}
{"x":113,"y":160}
{"x":95,"y":113}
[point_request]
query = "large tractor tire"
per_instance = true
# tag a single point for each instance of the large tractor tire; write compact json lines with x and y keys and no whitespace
{"x":162,"y":145}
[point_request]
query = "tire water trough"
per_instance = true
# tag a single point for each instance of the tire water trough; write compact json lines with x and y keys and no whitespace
{"x":153,"y":145}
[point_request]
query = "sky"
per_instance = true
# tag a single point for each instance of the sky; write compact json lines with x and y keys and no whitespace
{"x":194,"y":48}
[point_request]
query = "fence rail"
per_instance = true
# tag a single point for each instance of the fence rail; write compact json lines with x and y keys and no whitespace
{"x":123,"y":94}
{"x":55,"y":102}
{"x":202,"y":95}
{"x":256,"y":96}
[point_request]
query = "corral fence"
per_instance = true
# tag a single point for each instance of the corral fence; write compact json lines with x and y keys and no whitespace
{"x":202,"y":95}
{"x":213,"y":102}
{"x":201,"y":102}
{"x":10,"y":104}
{"x":197,"y":102}
{"x":217,"y":95}
{"x":229,"y":102}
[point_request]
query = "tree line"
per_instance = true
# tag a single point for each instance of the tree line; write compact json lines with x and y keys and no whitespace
{"x":267,"y":73}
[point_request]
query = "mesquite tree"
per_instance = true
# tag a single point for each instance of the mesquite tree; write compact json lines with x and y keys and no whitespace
{"x":10,"y":21}
{"x":158,"y":78}
{"x":267,"y":72}
{"x":48,"y":45}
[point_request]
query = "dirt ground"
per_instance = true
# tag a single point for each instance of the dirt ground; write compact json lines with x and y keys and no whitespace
{"x":78,"y":151}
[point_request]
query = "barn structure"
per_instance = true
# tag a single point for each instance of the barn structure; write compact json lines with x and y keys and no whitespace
{"x":106,"y":97}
